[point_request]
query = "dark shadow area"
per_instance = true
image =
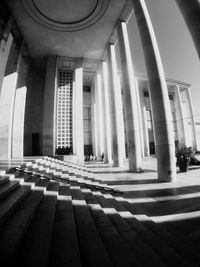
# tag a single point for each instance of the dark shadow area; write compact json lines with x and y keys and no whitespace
{"x":132,"y":182}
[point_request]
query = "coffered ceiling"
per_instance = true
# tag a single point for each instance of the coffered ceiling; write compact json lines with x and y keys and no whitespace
{"x":70,"y":28}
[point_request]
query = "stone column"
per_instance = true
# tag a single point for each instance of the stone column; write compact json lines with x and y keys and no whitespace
{"x":116,"y":109}
{"x":97,"y":122}
{"x":8,"y":71}
{"x":106,"y":115}
{"x":192,"y":119}
{"x":78,"y":87}
{"x":100,"y":115}
{"x":191,"y":13}
{"x":162,"y":118}
{"x":5,"y":46}
{"x":130,"y":99}
{"x":93,"y":119}
{"x":179,"y":118}
{"x":19,"y":106}
{"x":49,"y":111}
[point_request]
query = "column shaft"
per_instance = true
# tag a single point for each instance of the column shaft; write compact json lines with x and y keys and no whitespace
{"x":179,"y":118}
{"x":106,"y":115}
{"x":130,"y":99}
{"x":162,"y":118}
{"x":116,"y":109}
{"x":79,"y":112}
{"x":49,"y":111}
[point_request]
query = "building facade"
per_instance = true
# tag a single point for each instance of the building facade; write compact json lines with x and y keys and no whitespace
{"x":74,"y":101}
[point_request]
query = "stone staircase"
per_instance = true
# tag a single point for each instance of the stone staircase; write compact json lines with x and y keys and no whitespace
{"x":69,"y":217}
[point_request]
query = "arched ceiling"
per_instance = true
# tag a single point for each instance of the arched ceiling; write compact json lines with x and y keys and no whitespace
{"x":78,"y":28}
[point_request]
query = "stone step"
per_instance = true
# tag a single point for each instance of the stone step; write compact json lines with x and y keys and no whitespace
{"x":117,"y":248}
{"x":13,"y":231}
{"x":164,"y":239}
{"x":8,"y":204}
{"x":6,"y":188}
{"x":129,"y":235}
{"x":92,"y":249}
{"x":36,"y":245}
{"x":64,"y":245}
{"x":3,"y":179}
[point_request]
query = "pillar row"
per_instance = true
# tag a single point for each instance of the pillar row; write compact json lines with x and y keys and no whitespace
{"x":162,"y":118}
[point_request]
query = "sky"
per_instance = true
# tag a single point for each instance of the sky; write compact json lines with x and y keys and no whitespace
{"x":178,"y":54}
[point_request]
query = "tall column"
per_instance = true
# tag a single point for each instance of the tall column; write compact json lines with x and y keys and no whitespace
{"x":100,"y":114}
{"x":106,"y":115}
{"x":49,"y":111}
{"x":192,"y":119}
{"x":162,"y":118}
{"x":5,"y":46}
{"x":97,"y":123}
{"x":191,"y":13}
{"x":78,"y":87}
{"x":130,"y":99}
{"x":19,"y":106}
{"x":93,"y":115}
{"x":179,"y":118}
{"x":116,"y":109}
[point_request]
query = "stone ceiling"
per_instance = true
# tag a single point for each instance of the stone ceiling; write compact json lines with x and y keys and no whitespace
{"x":69,"y":28}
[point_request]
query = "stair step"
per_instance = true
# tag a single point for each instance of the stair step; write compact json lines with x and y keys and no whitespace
{"x":7,"y":188}
{"x":92,"y":249}
{"x":13,"y":231}
{"x":129,"y":235}
{"x":168,"y":248}
{"x":8,"y":204}
{"x":116,"y":247}
{"x":3,"y":179}
{"x":64,"y":245}
{"x":36,"y":245}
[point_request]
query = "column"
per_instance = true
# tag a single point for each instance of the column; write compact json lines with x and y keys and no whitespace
{"x":130,"y":99}
{"x":99,"y":115}
{"x":144,"y":124}
{"x":116,"y":109}
{"x":97,"y":123}
{"x":49,"y":111}
{"x":19,"y":107}
{"x":162,"y":118}
{"x":9,"y":81}
{"x":191,"y":13}
{"x":106,"y":115}
{"x":5,"y":46}
{"x":93,"y":115}
{"x":78,"y":87}
{"x":192,"y":119}
{"x":179,"y":118}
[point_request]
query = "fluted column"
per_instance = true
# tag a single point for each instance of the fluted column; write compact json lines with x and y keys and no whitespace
{"x":116,"y":109}
{"x":162,"y":118}
{"x":130,"y":99}
{"x":78,"y":87}
{"x":106,"y":115}
{"x":190,"y":10}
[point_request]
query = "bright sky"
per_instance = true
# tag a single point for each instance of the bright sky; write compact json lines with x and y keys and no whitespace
{"x":179,"y":57}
